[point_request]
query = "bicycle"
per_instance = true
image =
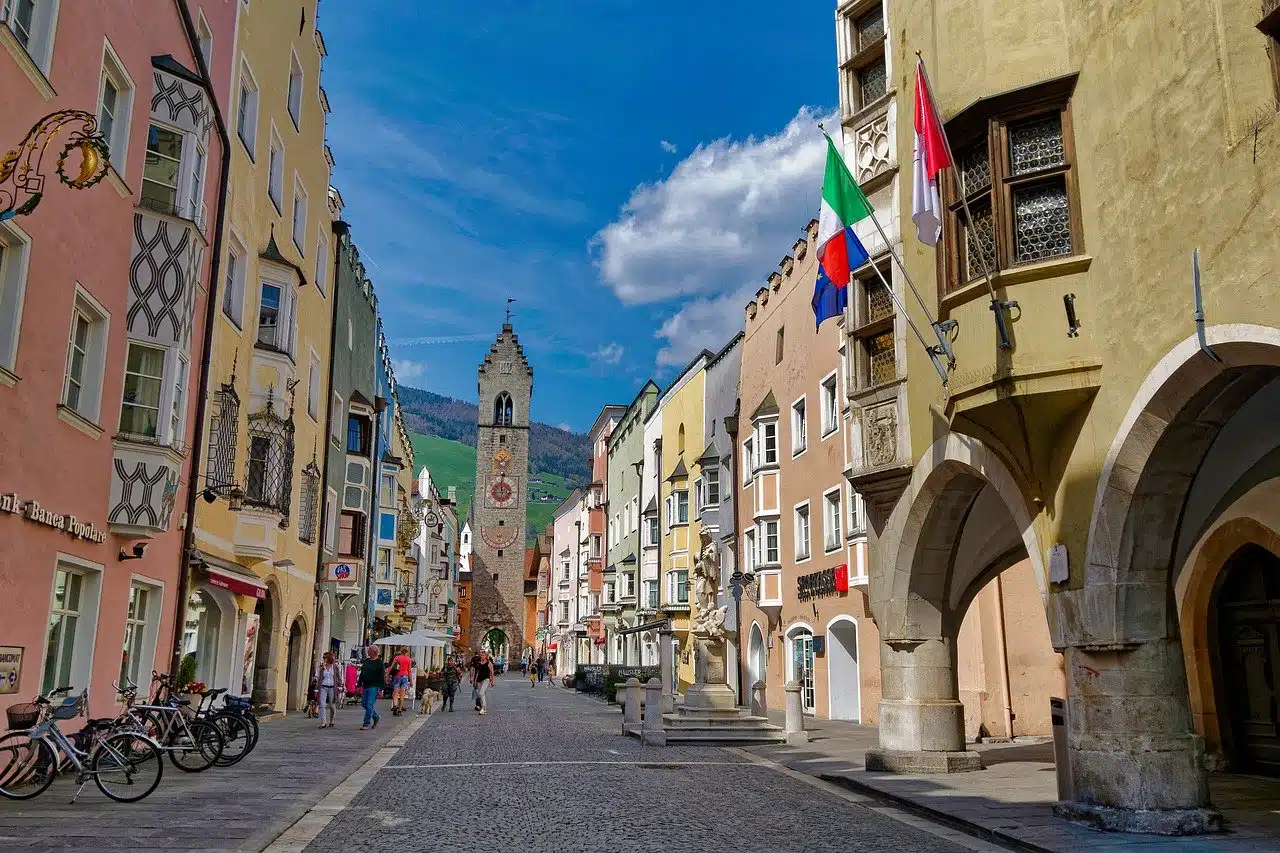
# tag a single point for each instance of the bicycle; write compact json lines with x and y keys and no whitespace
{"x":193,"y":745}
{"x":126,"y":766}
{"x":238,"y":738}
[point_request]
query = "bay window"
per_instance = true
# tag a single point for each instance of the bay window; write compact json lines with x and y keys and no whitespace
{"x":651,"y":594}
{"x":277,"y":317}
{"x":162,"y":170}
{"x":712,"y":479}
{"x":803,"y":532}
{"x":651,"y":530}
{"x":769,"y":443}
{"x":678,"y":586}
{"x":678,"y":507}
{"x":143,"y":385}
{"x":771,"y":553}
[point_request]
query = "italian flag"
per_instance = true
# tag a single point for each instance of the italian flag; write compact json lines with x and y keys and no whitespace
{"x":839,"y":249}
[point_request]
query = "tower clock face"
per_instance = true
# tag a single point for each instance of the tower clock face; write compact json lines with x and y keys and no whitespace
{"x":500,"y":492}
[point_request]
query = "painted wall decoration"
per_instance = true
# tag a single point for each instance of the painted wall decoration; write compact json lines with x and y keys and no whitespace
{"x":502,"y":491}
{"x":500,"y":537}
{"x":143,"y":491}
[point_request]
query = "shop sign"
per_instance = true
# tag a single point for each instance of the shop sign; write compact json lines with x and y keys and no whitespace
{"x":10,"y":668}
{"x":580,"y":628}
{"x":385,"y":597}
{"x":415,"y":609}
{"x":237,"y":584}
{"x":831,"y":581}
{"x":69,"y":524}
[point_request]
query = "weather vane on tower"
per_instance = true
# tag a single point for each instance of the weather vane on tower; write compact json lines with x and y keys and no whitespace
{"x":509,"y":301}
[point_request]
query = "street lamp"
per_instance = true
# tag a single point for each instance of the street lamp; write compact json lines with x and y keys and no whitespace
{"x":21,"y":167}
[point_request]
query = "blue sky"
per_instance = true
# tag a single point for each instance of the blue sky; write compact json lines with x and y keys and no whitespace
{"x":629,"y":171}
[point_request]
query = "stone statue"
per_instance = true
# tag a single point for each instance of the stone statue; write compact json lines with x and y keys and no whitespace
{"x":710,"y":692}
{"x":706,"y":587}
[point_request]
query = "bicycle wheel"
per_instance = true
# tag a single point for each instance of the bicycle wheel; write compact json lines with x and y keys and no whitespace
{"x":236,"y":739}
{"x":27,"y":767}
{"x":199,"y":751}
{"x":127,"y":767}
{"x":252,"y":722}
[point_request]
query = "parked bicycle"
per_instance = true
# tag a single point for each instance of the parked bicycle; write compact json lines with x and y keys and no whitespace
{"x":193,"y":744}
{"x":125,"y":765}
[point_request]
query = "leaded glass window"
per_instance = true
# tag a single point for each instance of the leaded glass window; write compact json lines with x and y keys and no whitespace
{"x":1036,"y":145}
{"x":980,"y":240}
{"x":870,"y":28}
{"x":875,"y":362}
{"x":864,"y":71}
{"x":873,"y":82}
{"x":880,"y":359}
{"x":1041,"y":222}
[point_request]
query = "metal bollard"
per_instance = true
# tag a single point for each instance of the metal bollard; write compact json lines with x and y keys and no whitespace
{"x":795,"y":715}
{"x":631,"y":705}
{"x":759,"y":703}
{"x":652,"y":733}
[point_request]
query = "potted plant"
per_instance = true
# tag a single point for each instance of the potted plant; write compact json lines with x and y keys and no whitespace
{"x":435,"y":680}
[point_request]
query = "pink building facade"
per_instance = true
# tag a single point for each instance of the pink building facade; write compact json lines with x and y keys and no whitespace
{"x":102,"y":314}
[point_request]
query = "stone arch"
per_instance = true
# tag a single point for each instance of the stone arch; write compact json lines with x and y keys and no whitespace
{"x":270,"y":629}
{"x":1197,"y":617}
{"x":324,"y":620}
{"x":844,"y":666}
{"x":1174,"y":418}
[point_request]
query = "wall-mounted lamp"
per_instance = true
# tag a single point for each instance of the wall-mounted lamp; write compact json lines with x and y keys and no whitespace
{"x":138,"y":551}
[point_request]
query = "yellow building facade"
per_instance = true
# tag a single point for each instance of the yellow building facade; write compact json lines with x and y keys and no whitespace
{"x":1104,"y":435}
{"x":257,"y":531}
{"x":682,"y":417}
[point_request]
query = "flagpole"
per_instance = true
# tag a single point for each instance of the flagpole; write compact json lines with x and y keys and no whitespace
{"x":939,"y":328}
{"x":997,"y":305}
{"x":933,"y":353}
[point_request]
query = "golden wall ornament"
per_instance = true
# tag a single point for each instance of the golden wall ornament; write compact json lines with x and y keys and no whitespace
{"x":21,"y":175}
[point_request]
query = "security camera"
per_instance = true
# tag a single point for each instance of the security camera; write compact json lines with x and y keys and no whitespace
{"x":139,"y":549}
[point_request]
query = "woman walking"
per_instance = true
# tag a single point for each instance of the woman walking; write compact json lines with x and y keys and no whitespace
{"x":328,"y":689}
{"x":482,"y":679}
{"x":372,"y":680}
{"x":401,"y":670}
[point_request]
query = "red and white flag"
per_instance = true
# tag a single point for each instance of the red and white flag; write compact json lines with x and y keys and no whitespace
{"x":932,"y":155}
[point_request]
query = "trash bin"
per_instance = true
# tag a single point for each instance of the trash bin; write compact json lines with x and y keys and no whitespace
{"x":1061,"y":759}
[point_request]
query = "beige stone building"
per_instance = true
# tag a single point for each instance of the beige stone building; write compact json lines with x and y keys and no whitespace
{"x":1105,"y":439}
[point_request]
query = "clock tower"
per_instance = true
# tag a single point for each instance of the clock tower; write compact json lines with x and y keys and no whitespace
{"x":498,"y":509}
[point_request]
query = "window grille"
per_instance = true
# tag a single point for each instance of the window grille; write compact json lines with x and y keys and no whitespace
{"x":269,"y":472}
{"x":224,"y":431}
{"x":309,"y":502}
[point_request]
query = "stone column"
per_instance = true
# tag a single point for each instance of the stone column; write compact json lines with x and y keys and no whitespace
{"x":921,"y":718}
{"x":652,"y":733}
{"x":759,"y":703}
{"x":795,"y":715}
{"x":1137,"y":764}
{"x":631,"y":706}
{"x":666,"y":669}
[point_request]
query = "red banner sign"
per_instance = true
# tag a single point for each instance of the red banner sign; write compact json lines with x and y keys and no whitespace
{"x":842,"y":577}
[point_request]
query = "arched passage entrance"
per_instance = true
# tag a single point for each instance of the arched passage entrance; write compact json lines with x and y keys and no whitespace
{"x":843,"y":681}
{"x":1248,"y":615}
{"x":756,"y":656}
{"x":264,"y":675}
{"x":800,"y":660}
{"x":495,"y":642}
{"x":296,"y":669}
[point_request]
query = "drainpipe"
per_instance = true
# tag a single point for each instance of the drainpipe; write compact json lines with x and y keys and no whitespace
{"x":657,"y":471}
{"x":206,"y":351}
{"x":1004,"y":660}
{"x":340,"y":229}
{"x":732,"y":486}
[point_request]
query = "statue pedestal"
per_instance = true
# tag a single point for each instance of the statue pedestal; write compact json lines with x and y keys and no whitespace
{"x":711,"y":692}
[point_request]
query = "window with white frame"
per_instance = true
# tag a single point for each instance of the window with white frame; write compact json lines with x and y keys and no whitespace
{"x":678,"y":586}
{"x":73,"y":613}
{"x":233,"y":287}
{"x":699,"y":497}
{"x":830,"y":406}
{"x":335,"y":418}
{"x":769,"y":443}
{"x":331,"y":520}
{"x":564,"y":611}
{"x":613,"y":528}
{"x":299,"y":215}
{"x":595,"y":546}
{"x":275,"y":171}
{"x":143,"y":386}
{"x":748,"y":460}
{"x":626,"y":585}
{"x":277,"y":315}
{"x":195,"y":184}
{"x":178,"y":407}
{"x":711,"y":476}
{"x":162,"y":170}
{"x":247,"y":111}
{"x":770,"y":552}
{"x":749,"y":554}
{"x":86,"y":357}
{"x":295,"y":91}
{"x":678,"y":507}
{"x":204,"y":38}
{"x":803,"y":531}
{"x":139,"y":633}
{"x":313,"y":388}
{"x":651,"y":530}
{"x":322,"y":261}
{"x":32,"y":23}
{"x":115,"y":107}
{"x":610,"y":592}
{"x":799,"y":427}
{"x":832,"y":515}
{"x":650,"y":594}
{"x":15,"y":251}
{"x":855,"y":512}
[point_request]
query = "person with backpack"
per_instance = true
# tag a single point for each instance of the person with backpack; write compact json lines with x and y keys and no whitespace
{"x":372,"y":681}
{"x":401,"y":672}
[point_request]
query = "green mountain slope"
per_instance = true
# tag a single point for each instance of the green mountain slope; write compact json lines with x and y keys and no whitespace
{"x":453,"y":463}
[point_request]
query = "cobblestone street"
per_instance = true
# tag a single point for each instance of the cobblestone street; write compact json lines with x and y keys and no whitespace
{"x":547,"y":770}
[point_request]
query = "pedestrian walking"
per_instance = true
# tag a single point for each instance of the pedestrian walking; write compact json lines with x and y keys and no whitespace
{"x":482,"y":677}
{"x":328,"y":689}
{"x":372,"y":681}
{"x":401,"y":672}
{"x":452,"y":677}
{"x":541,"y":666}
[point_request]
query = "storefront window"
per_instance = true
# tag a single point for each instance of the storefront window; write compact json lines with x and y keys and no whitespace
{"x":64,"y":618}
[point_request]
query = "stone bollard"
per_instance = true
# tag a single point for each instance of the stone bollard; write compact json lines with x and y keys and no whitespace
{"x":652,"y":733}
{"x":759,"y":704}
{"x":631,"y":706}
{"x":795,"y":715}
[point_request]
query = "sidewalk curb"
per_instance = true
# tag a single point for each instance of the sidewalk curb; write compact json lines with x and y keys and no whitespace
{"x":391,"y":741}
{"x":977,"y":830}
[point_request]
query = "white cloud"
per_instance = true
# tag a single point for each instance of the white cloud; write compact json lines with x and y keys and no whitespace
{"x":669,"y":147}
{"x":610,"y":353}
{"x":407,"y":371}
{"x":707,"y":236}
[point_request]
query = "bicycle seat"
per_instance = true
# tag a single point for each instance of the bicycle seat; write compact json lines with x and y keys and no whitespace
{"x":182,"y":703}
{"x":99,"y":723}
{"x":214,"y":693}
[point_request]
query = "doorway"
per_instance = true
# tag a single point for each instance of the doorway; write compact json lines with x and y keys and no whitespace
{"x":755,"y":657}
{"x":295,"y":670}
{"x":843,"y":684}
{"x":802,"y":666}
{"x":1249,"y":636}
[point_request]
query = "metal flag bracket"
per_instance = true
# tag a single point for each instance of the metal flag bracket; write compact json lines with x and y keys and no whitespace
{"x":1000,"y":306}
{"x":1199,"y":308}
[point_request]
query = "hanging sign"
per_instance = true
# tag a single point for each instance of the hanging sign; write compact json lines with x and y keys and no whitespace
{"x":31,"y":510}
{"x":10,"y":668}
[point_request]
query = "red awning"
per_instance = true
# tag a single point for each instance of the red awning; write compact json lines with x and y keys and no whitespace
{"x":236,"y":582}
